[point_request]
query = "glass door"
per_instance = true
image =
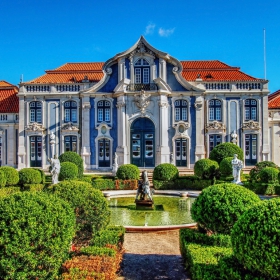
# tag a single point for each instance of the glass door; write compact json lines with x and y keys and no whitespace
{"x":36,"y":151}
{"x":250,"y":149}
{"x":181,"y":152}
{"x":104,"y":153}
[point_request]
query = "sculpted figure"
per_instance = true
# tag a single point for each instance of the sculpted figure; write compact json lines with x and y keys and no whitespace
{"x":237,"y":165}
{"x":144,"y":187}
{"x":55,"y":168}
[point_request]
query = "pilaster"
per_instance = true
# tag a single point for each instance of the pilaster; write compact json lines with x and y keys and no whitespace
{"x":85,"y":152}
{"x":265,"y":138}
{"x":199,"y":116}
{"x":21,"y":137}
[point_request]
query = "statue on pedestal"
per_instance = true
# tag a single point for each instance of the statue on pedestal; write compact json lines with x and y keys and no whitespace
{"x":55,"y":168}
{"x":237,"y":165}
{"x":144,"y":188}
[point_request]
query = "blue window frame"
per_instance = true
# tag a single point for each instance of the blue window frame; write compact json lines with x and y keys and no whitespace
{"x":70,"y":144}
{"x":70,"y":111}
{"x":215,"y":110}
{"x":35,"y":111}
{"x":103,"y":111}
{"x":181,"y":110}
{"x":251,"y":110}
{"x":141,"y":71}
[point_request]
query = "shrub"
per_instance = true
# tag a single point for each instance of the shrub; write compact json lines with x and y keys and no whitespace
{"x":103,"y":184}
{"x":225,"y":150}
{"x":11,"y":175}
{"x":269,"y":175}
{"x":74,"y":158}
{"x":97,"y":251}
{"x":256,"y":238}
{"x":90,"y":206}
{"x":33,"y":187}
{"x":218,"y":207}
{"x":128,"y":171}
{"x":126,"y":184}
{"x":68,"y":171}
{"x":254,"y":172}
{"x":165,"y":172}
{"x":226,"y":167}
{"x":104,"y":237}
{"x":29,"y":176}
{"x":43,"y":175}
{"x":9,"y":190}
{"x":3,"y":179}
{"x":206,"y":168}
{"x":35,"y":233}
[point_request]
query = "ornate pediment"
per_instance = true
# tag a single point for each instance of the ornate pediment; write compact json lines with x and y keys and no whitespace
{"x":251,"y":125}
{"x":38,"y":127}
{"x":181,"y":128}
{"x":215,"y":125}
{"x":69,"y":127}
{"x":142,"y":49}
{"x":142,"y":101}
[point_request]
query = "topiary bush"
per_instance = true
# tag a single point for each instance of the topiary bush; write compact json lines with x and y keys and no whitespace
{"x":35,"y":235}
{"x":3,"y":179}
{"x":225,"y":150}
{"x":269,"y":175}
{"x":256,"y":238}
{"x":89,"y":204}
{"x":11,"y":175}
{"x":206,"y":169}
{"x":225,"y":167}
{"x":165,"y":172}
{"x":254,"y":172}
{"x":43,"y":175}
{"x":127,"y":172}
{"x":68,"y":171}
{"x":218,"y":207}
{"x":29,"y":176}
{"x":74,"y":158}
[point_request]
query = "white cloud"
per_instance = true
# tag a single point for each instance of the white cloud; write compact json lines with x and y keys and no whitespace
{"x":150,"y":28}
{"x":165,"y":32}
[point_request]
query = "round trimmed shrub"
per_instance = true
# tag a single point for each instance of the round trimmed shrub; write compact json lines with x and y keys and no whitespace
{"x":36,"y":230}
{"x":269,"y":175}
{"x":90,"y":206}
{"x":74,"y":158}
{"x":256,"y":238}
{"x":11,"y":175}
{"x":206,"y":168}
{"x":226,"y":167}
{"x":255,"y":172}
{"x":3,"y":179}
{"x":165,"y":172}
{"x":128,"y":172}
{"x":68,"y":171}
{"x":218,"y":207}
{"x":29,"y":176}
{"x":225,"y":150}
{"x":43,"y":175}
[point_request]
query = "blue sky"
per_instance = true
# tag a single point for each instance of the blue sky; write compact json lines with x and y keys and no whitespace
{"x":39,"y":35}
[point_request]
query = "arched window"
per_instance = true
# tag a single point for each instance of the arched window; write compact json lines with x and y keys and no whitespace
{"x":181,"y":110}
{"x":142,"y":71}
{"x":103,"y":111}
{"x":70,"y":111}
{"x":215,"y":110}
{"x":35,"y":111}
{"x":251,"y":109}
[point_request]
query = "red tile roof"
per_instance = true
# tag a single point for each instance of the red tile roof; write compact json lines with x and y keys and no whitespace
{"x":8,"y":98}
{"x":274,"y":100}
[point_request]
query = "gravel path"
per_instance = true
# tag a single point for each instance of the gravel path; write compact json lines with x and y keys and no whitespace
{"x":152,"y":255}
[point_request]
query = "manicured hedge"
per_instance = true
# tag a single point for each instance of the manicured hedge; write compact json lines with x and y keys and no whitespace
{"x":226,"y":167}
{"x":33,"y":187}
{"x":35,"y":233}
{"x":165,"y":172}
{"x":206,"y":168}
{"x":43,"y":175}
{"x":256,"y":238}
{"x":225,"y":150}
{"x":103,"y":184}
{"x":74,"y":158}
{"x":68,"y":171}
{"x":9,"y":190}
{"x":269,"y":175}
{"x":29,"y":176}
{"x":3,"y":179}
{"x":128,"y":172}
{"x":11,"y":175}
{"x":254,"y":172}
{"x":126,"y":184}
{"x":91,"y":208}
{"x":263,"y":188}
{"x":218,"y":207}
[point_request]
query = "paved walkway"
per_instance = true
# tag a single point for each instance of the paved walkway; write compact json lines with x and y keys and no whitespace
{"x":152,"y":255}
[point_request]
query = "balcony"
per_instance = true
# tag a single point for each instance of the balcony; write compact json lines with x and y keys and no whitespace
{"x":139,"y":87}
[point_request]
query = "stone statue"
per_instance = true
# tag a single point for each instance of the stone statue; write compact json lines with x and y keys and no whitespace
{"x":237,"y":165}
{"x":115,"y":164}
{"x":234,"y":137}
{"x":55,"y":168}
{"x":144,"y":187}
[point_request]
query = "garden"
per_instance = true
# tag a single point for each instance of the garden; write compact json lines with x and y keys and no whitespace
{"x":62,"y":231}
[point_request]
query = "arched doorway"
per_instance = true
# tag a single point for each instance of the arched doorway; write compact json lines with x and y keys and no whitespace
{"x":142,"y":139}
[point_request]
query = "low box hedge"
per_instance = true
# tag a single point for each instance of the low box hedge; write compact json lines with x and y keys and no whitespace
{"x":263,"y":188}
{"x":131,"y":184}
{"x":103,"y":184}
{"x":33,"y":187}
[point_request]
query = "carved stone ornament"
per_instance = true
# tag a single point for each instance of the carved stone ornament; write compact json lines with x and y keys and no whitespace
{"x":251,"y":125}
{"x":1,"y":131}
{"x":215,"y":126}
{"x":142,"y":101}
{"x":38,"y":127}
{"x":120,"y":104}
{"x":198,"y":105}
{"x":86,"y":106}
{"x":141,"y":49}
{"x":175,"y":69}
{"x":69,"y":127}
{"x":109,"y":71}
{"x":163,"y":104}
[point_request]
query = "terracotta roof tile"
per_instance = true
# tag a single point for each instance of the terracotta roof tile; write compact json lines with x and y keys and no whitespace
{"x":204,"y":64}
{"x":274,"y":100}
{"x":9,"y":102}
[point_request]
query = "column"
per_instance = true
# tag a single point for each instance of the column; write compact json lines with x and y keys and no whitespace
{"x":21,"y":138}
{"x":264,"y":125}
{"x":199,"y":117}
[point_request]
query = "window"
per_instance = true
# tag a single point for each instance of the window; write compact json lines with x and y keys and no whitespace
{"x":35,"y":111}
{"x":103,"y":111}
{"x":70,"y":144}
{"x":215,"y":110}
{"x":214,"y":140}
{"x":250,"y":109}
{"x":70,"y":111}
{"x":181,"y":110}
{"x":142,"y":71}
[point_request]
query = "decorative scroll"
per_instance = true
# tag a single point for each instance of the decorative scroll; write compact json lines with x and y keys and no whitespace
{"x":35,"y":127}
{"x":141,"y":49}
{"x":142,"y":101}
{"x":215,"y":125}
{"x":69,"y":127}
{"x":251,"y":125}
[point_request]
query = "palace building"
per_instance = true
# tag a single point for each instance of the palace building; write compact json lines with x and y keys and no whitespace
{"x":142,"y":106}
